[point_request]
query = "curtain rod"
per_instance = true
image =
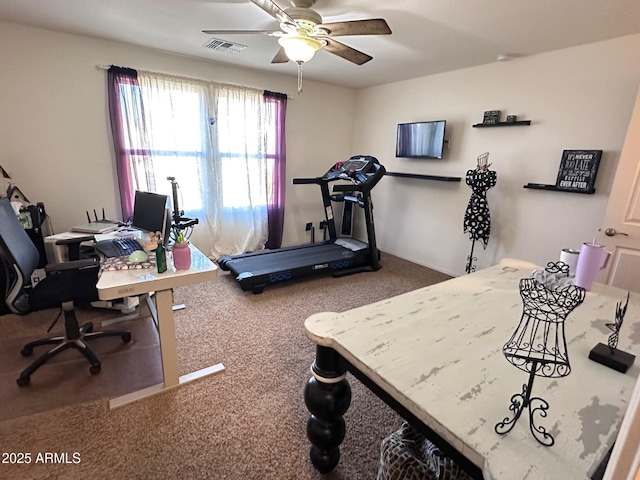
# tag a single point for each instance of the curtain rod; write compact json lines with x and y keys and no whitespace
{"x":107,"y":67}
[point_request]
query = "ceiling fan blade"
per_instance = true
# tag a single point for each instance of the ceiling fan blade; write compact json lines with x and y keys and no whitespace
{"x":274,"y":33}
{"x":281,"y":57}
{"x":374,"y":26}
{"x":346,"y":52}
{"x":275,"y":11}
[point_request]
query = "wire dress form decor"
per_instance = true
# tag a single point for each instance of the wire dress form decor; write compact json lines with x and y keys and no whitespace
{"x":477,"y":219}
{"x":538,"y":345}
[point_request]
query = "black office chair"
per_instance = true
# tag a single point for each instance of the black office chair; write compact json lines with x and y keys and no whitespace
{"x":66,"y":284}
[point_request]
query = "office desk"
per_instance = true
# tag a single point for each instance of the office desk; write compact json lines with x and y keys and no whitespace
{"x":435,"y":356}
{"x":124,"y":283}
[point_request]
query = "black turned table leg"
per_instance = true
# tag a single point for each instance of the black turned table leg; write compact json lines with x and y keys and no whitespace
{"x":327,"y":396}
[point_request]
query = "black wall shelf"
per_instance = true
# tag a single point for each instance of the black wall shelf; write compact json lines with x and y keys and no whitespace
{"x":553,"y":188}
{"x":438,"y":178}
{"x":518,"y":123}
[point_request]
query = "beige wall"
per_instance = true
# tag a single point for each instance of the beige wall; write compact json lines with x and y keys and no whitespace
{"x":54,"y":131}
{"x":577,"y":98}
{"x":55,"y":139}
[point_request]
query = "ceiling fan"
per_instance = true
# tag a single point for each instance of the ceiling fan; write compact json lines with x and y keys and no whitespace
{"x":302,"y":32}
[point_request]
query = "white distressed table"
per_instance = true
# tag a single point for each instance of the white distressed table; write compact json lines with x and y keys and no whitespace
{"x":435,"y":355}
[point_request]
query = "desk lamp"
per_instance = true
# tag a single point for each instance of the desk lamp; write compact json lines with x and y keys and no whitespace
{"x":538,"y":345}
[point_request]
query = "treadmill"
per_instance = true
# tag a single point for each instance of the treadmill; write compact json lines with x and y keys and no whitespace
{"x":337,"y":256}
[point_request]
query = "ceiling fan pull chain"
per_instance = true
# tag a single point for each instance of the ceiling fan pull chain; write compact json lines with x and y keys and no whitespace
{"x":299,"y":77}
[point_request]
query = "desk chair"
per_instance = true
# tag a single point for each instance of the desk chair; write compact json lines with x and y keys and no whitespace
{"x":66,"y":284}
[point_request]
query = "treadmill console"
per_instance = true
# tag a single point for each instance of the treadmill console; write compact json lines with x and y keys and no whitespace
{"x":358,"y":165}
{"x":363,"y":171}
{"x":355,"y":168}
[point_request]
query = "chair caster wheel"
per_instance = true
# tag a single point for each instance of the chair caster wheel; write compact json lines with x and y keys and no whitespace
{"x":95,"y":369}
{"x":26,"y":351}
{"x":23,"y":381}
{"x":126,"y":338}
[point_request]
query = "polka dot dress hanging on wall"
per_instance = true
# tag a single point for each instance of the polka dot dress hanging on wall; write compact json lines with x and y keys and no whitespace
{"x":477,"y":218}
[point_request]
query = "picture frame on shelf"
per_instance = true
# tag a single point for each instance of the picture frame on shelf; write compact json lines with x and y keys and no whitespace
{"x":578,"y":169}
{"x":491,"y":117}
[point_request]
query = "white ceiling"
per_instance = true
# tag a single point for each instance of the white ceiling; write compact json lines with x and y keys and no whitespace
{"x":429,"y":36}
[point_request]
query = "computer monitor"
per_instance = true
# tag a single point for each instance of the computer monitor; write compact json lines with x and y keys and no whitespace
{"x":150,"y":213}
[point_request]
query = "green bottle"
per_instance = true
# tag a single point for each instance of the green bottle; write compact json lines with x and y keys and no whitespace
{"x":161,"y":258}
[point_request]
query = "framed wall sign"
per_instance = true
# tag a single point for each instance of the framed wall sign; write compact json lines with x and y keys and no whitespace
{"x":578,"y":169}
{"x":491,"y":117}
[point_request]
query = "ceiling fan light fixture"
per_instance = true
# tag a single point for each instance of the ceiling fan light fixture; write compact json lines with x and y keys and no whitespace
{"x":300,"y":48}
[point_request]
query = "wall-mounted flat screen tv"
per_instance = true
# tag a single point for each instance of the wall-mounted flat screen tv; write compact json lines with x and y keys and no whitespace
{"x":420,"y":139}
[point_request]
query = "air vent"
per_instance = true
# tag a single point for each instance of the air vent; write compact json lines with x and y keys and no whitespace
{"x":224,"y":46}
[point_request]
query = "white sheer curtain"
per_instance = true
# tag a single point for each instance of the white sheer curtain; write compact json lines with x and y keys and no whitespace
{"x":209,"y":137}
{"x":238,"y":212}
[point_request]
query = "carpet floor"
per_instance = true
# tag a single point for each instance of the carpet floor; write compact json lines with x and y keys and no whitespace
{"x":248,"y":422}
{"x":69,"y":371}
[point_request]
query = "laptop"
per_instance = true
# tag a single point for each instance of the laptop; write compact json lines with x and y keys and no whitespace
{"x":95,"y":227}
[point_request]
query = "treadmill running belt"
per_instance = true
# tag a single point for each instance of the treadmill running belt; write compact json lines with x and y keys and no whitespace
{"x":318,"y":256}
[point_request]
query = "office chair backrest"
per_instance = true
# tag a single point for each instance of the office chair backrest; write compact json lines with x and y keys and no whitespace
{"x":19,"y":258}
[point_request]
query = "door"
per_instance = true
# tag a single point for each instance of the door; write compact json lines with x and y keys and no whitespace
{"x":620,"y":231}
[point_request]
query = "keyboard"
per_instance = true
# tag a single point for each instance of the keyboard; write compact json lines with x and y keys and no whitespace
{"x":118,"y":247}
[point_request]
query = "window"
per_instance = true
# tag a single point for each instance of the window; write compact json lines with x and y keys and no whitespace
{"x":222,"y":144}
{"x":243,"y":183}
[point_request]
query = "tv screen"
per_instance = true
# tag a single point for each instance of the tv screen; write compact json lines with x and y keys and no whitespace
{"x":420,"y":139}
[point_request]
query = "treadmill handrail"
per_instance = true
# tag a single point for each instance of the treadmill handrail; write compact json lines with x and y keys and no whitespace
{"x":303,"y":181}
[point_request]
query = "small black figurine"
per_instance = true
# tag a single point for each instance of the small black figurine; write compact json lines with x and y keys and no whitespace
{"x":609,"y":355}
{"x":615,"y":327}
